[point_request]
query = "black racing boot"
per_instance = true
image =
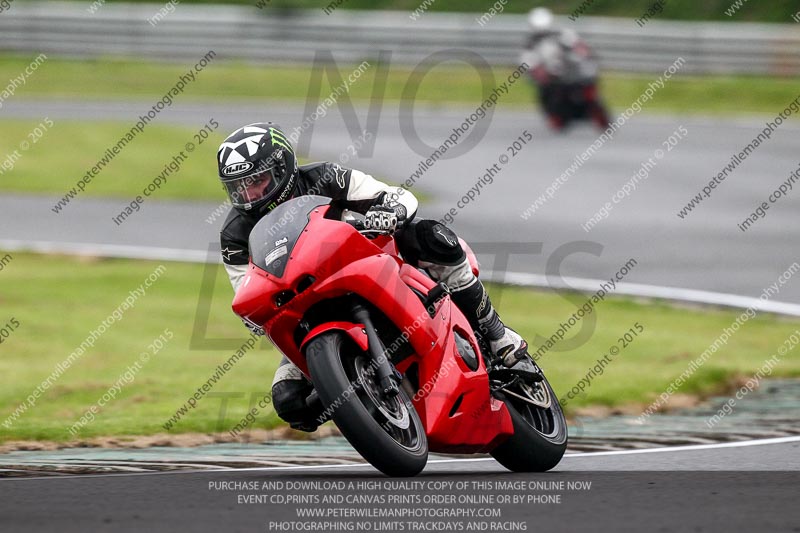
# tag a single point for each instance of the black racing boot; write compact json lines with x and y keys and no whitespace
{"x":506,"y":345}
{"x":294,"y":398}
{"x":512,"y":350}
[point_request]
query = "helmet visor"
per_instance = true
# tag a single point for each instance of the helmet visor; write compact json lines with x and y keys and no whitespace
{"x":246,"y":191}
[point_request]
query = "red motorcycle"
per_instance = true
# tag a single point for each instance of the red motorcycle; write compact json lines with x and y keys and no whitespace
{"x":393,"y":361}
{"x":565,"y":103}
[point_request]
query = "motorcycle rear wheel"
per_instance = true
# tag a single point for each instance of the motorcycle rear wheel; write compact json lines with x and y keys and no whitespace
{"x":386,"y":432}
{"x":540,"y":435}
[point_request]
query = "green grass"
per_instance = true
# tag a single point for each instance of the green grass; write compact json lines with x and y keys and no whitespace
{"x":69,"y":149}
{"x":449,"y":84}
{"x":706,"y":95}
{"x":71,"y":296}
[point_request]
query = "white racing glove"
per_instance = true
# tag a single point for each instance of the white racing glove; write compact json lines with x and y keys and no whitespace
{"x":382,"y":218}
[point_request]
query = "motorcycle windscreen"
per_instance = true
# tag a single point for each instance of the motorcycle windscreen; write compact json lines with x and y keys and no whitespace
{"x":274,"y":237}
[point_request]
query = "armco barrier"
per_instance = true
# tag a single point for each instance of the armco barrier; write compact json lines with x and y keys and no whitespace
{"x":269,"y":35}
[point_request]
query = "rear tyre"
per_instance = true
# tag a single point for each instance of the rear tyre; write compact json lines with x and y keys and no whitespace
{"x":600,"y":116}
{"x":386,"y":432}
{"x":540,"y":435}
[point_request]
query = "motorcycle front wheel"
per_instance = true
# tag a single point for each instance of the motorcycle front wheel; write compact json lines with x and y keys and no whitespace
{"x":387,"y":432}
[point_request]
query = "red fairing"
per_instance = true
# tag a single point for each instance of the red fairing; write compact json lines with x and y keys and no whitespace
{"x":454,"y":402}
{"x":354,"y":331}
{"x":590,"y":93}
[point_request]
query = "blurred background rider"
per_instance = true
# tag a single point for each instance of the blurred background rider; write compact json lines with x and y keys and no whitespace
{"x":565,"y":72}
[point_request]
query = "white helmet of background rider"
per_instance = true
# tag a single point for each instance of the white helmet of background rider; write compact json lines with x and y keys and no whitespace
{"x":540,"y":19}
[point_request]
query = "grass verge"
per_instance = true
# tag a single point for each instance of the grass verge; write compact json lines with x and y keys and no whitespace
{"x":68,"y":149}
{"x":58,"y":300}
{"x":448,"y":84}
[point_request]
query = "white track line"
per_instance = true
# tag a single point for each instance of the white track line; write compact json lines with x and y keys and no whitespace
{"x":668,"y":449}
{"x":693,"y":447}
{"x":511,"y":278}
{"x":646,"y":291}
{"x":688,"y":448}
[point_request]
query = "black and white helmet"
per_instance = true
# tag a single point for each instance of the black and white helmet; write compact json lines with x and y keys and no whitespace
{"x":257,"y":167}
{"x":540,"y":20}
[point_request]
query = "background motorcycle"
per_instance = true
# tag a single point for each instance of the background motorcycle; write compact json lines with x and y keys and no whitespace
{"x":394,"y":362}
{"x":567,"y":82}
{"x":564,"y":103}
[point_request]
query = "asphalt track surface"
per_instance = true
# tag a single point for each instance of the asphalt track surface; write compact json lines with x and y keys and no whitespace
{"x":750,"y":486}
{"x":704,"y":251}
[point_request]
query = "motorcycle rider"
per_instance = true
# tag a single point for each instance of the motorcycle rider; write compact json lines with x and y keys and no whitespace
{"x":560,"y":62}
{"x":258,"y":170}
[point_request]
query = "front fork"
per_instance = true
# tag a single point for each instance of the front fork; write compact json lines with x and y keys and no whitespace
{"x":379,"y":361}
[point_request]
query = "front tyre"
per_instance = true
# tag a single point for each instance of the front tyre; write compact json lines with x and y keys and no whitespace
{"x":540,"y":433}
{"x":386,"y":432}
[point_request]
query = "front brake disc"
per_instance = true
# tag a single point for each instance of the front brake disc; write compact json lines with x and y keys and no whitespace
{"x":401,"y":417}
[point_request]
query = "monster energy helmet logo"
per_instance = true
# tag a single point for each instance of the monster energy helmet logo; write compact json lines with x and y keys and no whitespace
{"x":279,"y":139}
